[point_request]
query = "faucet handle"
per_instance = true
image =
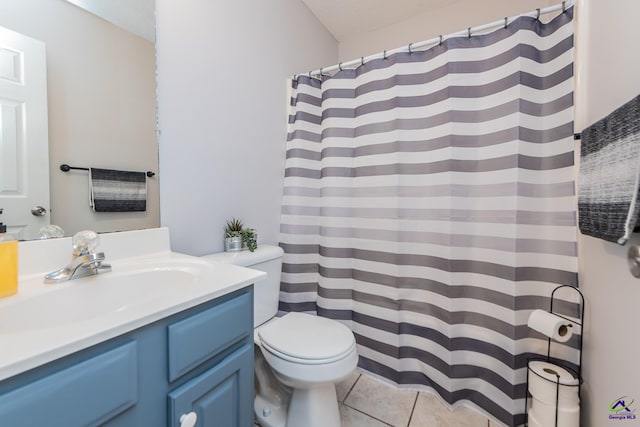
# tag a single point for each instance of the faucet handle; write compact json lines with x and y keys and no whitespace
{"x":85,"y":242}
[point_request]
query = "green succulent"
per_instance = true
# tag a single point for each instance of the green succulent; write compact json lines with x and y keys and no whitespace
{"x":250,"y":238}
{"x":233,"y":228}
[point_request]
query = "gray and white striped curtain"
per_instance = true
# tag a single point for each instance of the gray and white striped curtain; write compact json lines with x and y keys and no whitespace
{"x":429,"y":204}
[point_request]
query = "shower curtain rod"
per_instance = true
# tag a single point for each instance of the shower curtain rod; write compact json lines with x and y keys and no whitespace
{"x":436,"y":40}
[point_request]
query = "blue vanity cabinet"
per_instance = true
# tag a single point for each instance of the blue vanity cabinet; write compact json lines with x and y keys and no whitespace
{"x":199,"y":360}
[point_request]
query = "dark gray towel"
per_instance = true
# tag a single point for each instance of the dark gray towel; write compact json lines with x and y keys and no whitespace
{"x":609,"y":175}
{"x":117,"y":191}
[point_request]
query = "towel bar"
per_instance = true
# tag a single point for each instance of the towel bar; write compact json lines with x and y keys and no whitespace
{"x":66,"y":168}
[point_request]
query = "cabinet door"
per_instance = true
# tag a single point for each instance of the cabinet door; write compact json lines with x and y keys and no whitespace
{"x":200,"y":337}
{"x":85,"y":394}
{"x":220,"y":397}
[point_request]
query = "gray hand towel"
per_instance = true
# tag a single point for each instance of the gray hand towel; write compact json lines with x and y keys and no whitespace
{"x":608,"y":203}
{"x":117,"y":191}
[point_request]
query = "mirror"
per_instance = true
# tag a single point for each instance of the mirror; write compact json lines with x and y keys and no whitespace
{"x":101,"y":104}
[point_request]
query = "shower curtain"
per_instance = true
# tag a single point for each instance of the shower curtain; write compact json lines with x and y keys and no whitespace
{"x":429,"y":205}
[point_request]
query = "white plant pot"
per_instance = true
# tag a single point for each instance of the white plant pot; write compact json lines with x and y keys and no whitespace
{"x":233,"y":244}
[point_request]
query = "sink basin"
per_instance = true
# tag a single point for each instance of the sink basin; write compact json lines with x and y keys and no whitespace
{"x":91,"y":299}
{"x":130,"y":285}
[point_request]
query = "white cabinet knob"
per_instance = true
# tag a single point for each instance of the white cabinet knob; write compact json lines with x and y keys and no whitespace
{"x":188,"y":420}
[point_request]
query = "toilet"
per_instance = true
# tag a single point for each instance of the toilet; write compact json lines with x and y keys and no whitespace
{"x":300,"y":356}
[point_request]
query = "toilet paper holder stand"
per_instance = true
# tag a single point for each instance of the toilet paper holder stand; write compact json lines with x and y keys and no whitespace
{"x":577,"y":372}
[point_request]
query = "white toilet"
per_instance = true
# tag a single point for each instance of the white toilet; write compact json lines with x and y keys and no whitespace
{"x":308,"y":354}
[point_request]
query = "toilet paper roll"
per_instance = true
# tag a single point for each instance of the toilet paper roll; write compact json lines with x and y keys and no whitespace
{"x":543,"y":415}
{"x":532,"y":421}
{"x":543,"y":383}
{"x":551,"y":325}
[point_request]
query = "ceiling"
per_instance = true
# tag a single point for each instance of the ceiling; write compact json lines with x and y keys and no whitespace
{"x":137,"y":16}
{"x":344,"y":18}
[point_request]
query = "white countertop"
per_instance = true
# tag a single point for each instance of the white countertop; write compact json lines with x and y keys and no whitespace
{"x":66,"y":317}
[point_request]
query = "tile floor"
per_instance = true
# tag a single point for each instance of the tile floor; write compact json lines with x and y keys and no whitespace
{"x":366,"y":402}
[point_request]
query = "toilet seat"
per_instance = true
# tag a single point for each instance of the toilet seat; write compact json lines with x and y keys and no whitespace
{"x":293,"y":359}
{"x":306,"y":339}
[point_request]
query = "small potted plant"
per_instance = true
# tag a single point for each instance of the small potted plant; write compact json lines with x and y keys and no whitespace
{"x":237,"y":237}
{"x":233,"y":235}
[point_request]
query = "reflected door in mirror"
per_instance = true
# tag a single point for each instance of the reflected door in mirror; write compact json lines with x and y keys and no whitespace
{"x":24,"y":165}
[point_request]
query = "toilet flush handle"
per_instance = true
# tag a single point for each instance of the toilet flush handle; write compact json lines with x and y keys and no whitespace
{"x":188,"y":420}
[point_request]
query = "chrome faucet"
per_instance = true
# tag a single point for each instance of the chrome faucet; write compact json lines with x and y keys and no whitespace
{"x":86,"y":260}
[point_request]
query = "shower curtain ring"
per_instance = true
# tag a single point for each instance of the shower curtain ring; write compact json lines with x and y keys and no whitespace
{"x":505,"y":22}
{"x":340,"y":66}
{"x":362,"y":60}
{"x":409,"y":47}
{"x":440,"y":43}
{"x":469,"y":32}
{"x":564,"y":6}
{"x":320,"y":73}
{"x":384,"y":55}
{"x":538,"y":14}
{"x":310,"y":75}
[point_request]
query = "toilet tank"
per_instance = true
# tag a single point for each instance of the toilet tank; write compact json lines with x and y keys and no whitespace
{"x":266,"y":293}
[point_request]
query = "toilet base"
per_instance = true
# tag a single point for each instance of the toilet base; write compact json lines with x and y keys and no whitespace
{"x":314,"y":407}
{"x":272,"y":398}
{"x":269,"y":414}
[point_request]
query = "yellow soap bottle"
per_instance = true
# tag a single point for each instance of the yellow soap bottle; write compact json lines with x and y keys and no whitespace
{"x":8,"y":263}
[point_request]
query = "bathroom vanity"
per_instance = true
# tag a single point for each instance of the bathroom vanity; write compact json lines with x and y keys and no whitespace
{"x":156,"y":354}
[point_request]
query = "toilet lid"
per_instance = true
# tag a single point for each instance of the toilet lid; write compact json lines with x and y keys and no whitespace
{"x":306,"y":337}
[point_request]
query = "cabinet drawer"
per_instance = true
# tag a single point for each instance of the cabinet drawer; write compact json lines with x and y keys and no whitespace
{"x":202,"y":336}
{"x":86,"y":394}
{"x":221,"y":396}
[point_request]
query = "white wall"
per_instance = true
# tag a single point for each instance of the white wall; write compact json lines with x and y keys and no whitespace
{"x":608,"y":71}
{"x":222,"y":71}
{"x":453,"y":18}
{"x":101,"y":107}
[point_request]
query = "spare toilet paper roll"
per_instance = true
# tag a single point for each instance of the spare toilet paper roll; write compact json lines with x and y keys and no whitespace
{"x":543,"y":381}
{"x":532,"y":419}
{"x":541,"y":415}
{"x":551,"y":325}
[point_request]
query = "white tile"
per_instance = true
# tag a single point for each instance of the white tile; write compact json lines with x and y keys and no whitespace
{"x":429,"y":412}
{"x":382,"y":401}
{"x":344,"y":387}
{"x":351,"y":418}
